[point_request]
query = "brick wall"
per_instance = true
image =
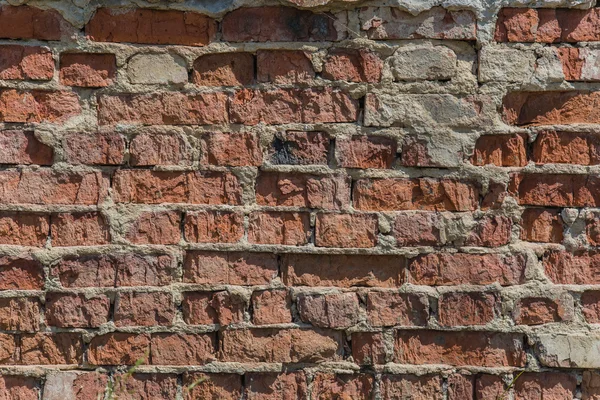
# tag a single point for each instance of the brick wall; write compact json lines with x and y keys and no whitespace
{"x":299,"y":200}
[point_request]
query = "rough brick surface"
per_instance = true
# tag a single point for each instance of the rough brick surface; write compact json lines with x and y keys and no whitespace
{"x":26,"y":63}
{"x":467,"y":308}
{"x":284,"y":66}
{"x":286,"y":25}
{"x":76,"y":311}
{"x":102,"y":148}
{"x":300,"y":199}
{"x":87,"y":70}
{"x":228,"y":69}
{"x":151,"y":26}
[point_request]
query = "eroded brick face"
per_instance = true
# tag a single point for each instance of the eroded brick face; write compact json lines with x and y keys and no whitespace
{"x":303,"y":199}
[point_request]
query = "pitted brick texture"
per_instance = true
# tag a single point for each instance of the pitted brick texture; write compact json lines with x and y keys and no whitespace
{"x":300,"y":199}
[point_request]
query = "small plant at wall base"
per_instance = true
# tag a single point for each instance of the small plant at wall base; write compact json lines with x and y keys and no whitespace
{"x":117,"y":385}
{"x":115,"y":388}
{"x":504,"y":395}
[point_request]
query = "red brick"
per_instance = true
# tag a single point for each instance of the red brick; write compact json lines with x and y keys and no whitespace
{"x":549,"y":28}
{"x":462,"y":268}
{"x":521,"y":25}
{"x":550,"y":108}
{"x":271,"y":307}
{"x":280,"y":345}
{"x":566,"y":148}
{"x":232,"y":149}
{"x":119,"y":348}
{"x":579,"y":25}
{"x":571,"y":61}
{"x":51,"y":349}
{"x":8,"y":349}
{"x":20,"y":273}
{"x":480,"y":387}
{"x":82,"y":386}
{"x":22,"y":147}
{"x":342,"y":270}
{"x":284,"y":66}
{"x":435,"y":23}
{"x":418,"y":229}
{"x":212,"y":386}
{"x":46,"y":186}
{"x":162,"y":109}
{"x":352,"y":65}
{"x":26,"y":63}
{"x":75,"y":384}
{"x":156,"y":187}
{"x":331,"y":386}
{"x":281,"y":106}
{"x":500,"y":150}
{"x":460,"y":387}
{"x":489,"y":387}
{"x":151,"y":27}
{"x":490,"y":231}
{"x":470,"y":308}
{"x":183,"y":348}
{"x":578,"y":267}
{"x":368,"y":348}
{"x":542,"y":225}
{"x":19,"y":387}
{"x":485,"y":349}
{"x":366,"y":152}
{"x":287,"y":228}
{"x":346,"y":230}
{"x":409,"y":194}
{"x":590,"y":303}
{"x":285,"y":24}
{"x":330,"y":310}
{"x":391,"y":308}
{"x":590,"y":385}
{"x":302,"y":190}
{"x":545,"y":385}
{"x":24,"y":229}
{"x":197,"y":308}
{"x":224,"y":69}
{"x":229,"y":306}
{"x":155,"y":148}
{"x":87,"y":69}
{"x":592,"y":228}
{"x":87,"y":229}
{"x":87,"y":271}
{"x":495,"y":196}
{"x":147,"y":386}
{"x":415,"y":153}
{"x":144,"y":309}
{"x":205,"y":308}
{"x":547,"y":25}
{"x":300,"y":148}
{"x":537,"y":310}
{"x":425,"y":387}
{"x":38,"y":106}
{"x":273,"y":386}
{"x":24,"y":22}
{"x":65,"y":310}
{"x":213,"y":226}
{"x":160,"y":227}
{"x":123,"y":269}
{"x":101,"y":148}
{"x":232,"y":268}
{"x":19,"y":314}
{"x":557,"y":190}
